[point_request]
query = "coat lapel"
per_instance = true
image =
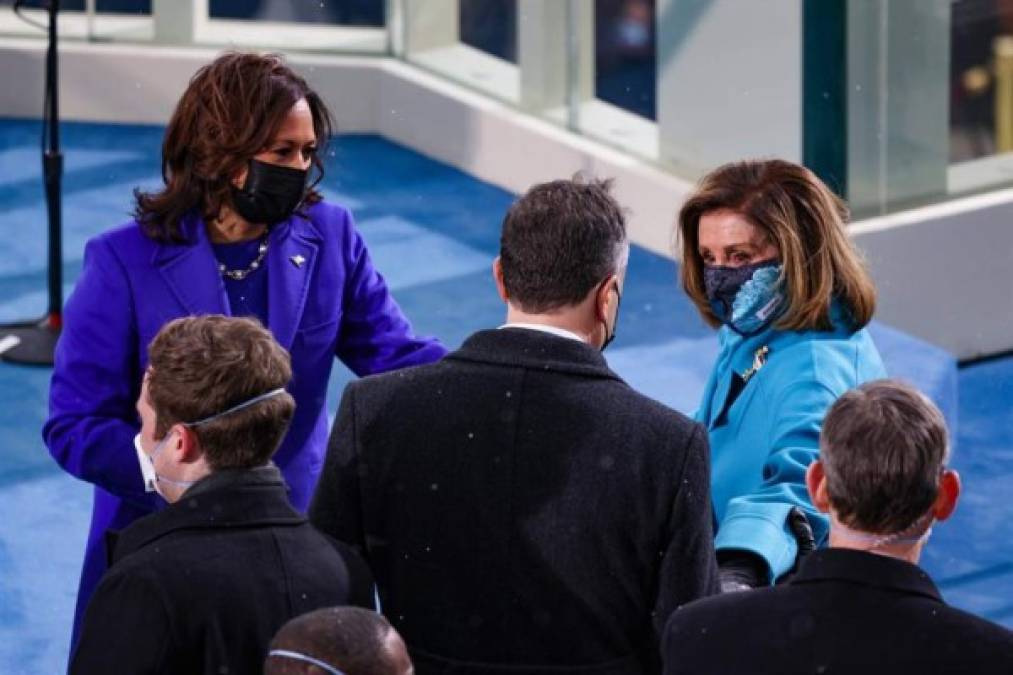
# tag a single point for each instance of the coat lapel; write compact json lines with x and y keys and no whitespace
{"x":735,"y":359}
{"x":191,"y":272}
{"x":291,"y":262}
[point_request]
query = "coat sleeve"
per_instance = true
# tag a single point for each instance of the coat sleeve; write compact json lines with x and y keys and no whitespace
{"x":758,"y":522}
{"x":126,"y":629}
{"x":375,"y":336}
{"x":336,"y":508}
{"x":95,"y":382}
{"x":688,"y":564}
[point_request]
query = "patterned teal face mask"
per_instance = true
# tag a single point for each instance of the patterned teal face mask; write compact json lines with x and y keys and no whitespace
{"x":747,"y":298}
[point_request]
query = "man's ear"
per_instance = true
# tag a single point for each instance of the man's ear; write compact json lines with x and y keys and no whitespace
{"x":949,"y":493}
{"x":607,"y":293}
{"x":816,"y":482}
{"x":497,"y":275}
{"x":187,"y":448}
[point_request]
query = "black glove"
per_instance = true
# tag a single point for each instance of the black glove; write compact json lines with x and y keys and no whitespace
{"x":803,"y":533}
{"x":741,"y":571}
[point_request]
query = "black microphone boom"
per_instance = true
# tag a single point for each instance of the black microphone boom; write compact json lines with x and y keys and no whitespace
{"x":33,"y":342}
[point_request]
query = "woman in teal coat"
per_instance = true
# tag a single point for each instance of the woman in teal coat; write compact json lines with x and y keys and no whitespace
{"x":766,"y":258}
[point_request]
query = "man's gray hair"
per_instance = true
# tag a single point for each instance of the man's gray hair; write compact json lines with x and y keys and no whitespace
{"x":883,"y":447}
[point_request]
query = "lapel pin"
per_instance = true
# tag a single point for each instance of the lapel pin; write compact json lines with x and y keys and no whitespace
{"x":759,"y":361}
{"x":297,"y":260}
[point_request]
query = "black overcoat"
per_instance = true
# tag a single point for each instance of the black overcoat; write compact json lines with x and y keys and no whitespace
{"x":844,"y":612}
{"x":521,"y":506}
{"x":203,"y":585}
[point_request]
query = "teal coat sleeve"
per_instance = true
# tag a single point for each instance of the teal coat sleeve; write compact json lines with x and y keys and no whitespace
{"x":757,"y":521}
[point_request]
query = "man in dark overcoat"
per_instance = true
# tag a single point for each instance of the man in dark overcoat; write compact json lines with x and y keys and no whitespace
{"x":863,"y":605}
{"x":522,"y":508}
{"x":203,"y":585}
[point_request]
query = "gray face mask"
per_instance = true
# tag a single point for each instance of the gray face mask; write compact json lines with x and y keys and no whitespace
{"x":296,"y":656}
{"x":147,"y":462}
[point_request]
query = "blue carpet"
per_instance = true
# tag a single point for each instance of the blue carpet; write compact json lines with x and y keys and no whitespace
{"x":433,"y":231}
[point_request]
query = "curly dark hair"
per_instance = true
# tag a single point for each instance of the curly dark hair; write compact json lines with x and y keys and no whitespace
{"x":231,"y":110}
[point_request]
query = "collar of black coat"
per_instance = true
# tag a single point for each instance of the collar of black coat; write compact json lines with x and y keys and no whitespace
{"x":533,"y":349}
{"x":224,"y":499}
{"x":867,"y":569}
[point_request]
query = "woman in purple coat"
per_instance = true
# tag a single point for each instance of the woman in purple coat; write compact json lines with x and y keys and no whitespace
{"x":238,"y":230}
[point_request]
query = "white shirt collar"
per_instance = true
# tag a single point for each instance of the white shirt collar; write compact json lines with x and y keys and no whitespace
{"x":552,"y":330}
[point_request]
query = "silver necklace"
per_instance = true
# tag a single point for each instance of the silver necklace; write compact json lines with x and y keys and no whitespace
{"x":239,"y":275}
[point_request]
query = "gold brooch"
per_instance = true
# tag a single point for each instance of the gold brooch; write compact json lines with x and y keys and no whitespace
{"x":759,"y":360}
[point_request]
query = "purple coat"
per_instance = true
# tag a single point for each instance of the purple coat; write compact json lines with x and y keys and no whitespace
{"x":324,"y":299}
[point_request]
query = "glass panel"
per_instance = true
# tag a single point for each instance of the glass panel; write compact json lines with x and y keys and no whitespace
{"x":474,"y":42}
{"x":112,"y":20}
{"x":976,"y":25}
{"x":727,"y":88}
{"x":981,"y":94}
{"x":625,"y":55}
{"x":898,"y":83}
{"x":111,"y":6}
{"x":339,"y":12}
{"x":614,"y":63}
{"x":122,"y":6}
{"x":349,"y":26}
{"x":71,"y":5}
{"x":490,"y":25}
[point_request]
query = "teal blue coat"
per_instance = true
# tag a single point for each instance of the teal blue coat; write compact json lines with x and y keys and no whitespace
{"x":763,"y":443}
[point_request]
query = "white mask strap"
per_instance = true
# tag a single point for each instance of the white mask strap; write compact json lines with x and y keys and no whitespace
{"x":296,"y":656}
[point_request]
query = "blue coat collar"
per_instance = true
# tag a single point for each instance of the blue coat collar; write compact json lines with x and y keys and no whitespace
{"x":737,"y":353}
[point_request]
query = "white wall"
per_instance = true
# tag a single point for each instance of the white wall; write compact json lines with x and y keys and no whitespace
{"x":898,"y":102}
{"x":944,"y":272}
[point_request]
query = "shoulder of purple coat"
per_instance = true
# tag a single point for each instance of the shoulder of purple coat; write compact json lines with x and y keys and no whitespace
{"x":329,"y":220}
{"x":127,"y":241}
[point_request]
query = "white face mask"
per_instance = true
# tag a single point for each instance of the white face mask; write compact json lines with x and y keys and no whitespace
{"x":147,"y":468}
{"x":147,"y":464}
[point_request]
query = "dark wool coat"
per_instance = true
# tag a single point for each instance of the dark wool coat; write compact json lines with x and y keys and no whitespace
{"x":202,"y":586}
{"x":844,"y":612}
{"x":521,"y":506}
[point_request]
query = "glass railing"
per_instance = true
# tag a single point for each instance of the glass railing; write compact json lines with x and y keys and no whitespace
{"x":96,"y":20}
{"x":894,"y":102}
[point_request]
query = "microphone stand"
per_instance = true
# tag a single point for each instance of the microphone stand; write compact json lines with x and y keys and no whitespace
{"x":33,"y":342}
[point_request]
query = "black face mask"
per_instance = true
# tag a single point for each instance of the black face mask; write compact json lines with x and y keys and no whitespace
{"x":722,"y":284}
{"x":270,"y":193}
{"x":615,"y":322}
